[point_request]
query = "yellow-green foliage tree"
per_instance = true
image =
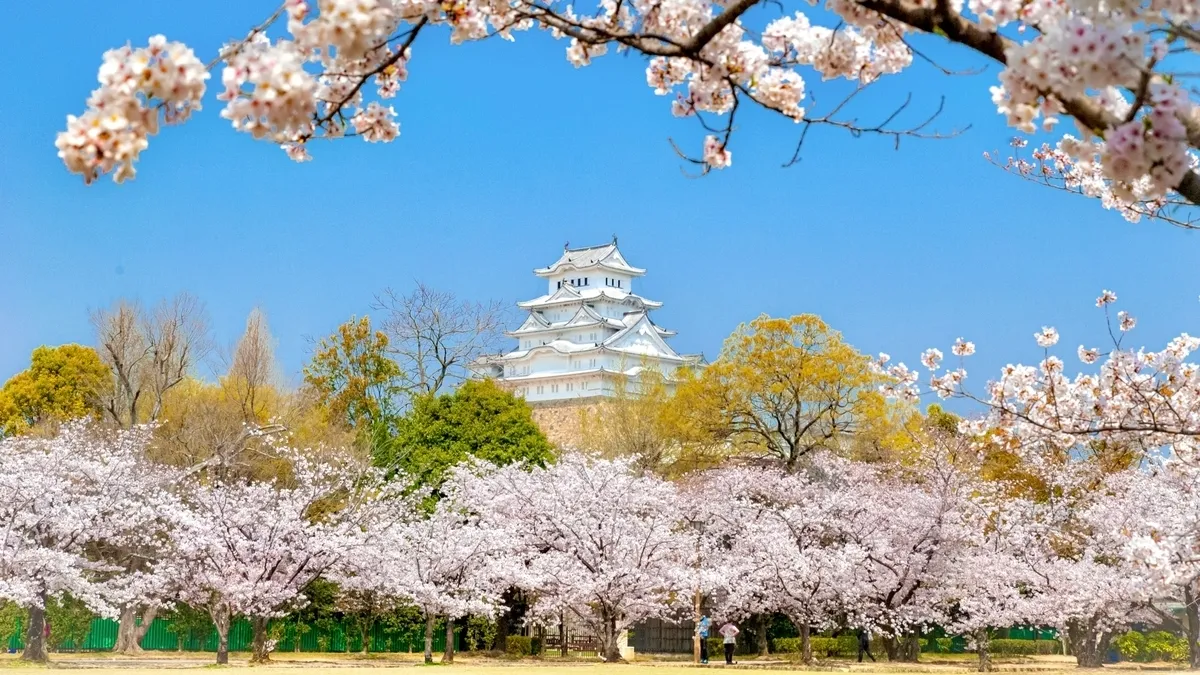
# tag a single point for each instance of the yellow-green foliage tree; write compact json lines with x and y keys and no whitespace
{"x":643,"y":422}
{"x":353,"y":375}
{"x":784,"y":388}
{"x":62,"y":383}
{"x":219,"y":427}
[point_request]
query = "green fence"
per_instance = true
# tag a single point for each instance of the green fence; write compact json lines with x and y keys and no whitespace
{"x":103,"y":635}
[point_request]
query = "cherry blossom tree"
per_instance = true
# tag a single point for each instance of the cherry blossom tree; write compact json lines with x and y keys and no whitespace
{"x":63,"y":498}
{"x":591,"y":537}
{"x":779,"y":541}
{"x":446,"y":564}
{"x":327,"y":69}
{"x":1155,"y":511}
{"x":1082,"y":436}
{"x":250,"y":548}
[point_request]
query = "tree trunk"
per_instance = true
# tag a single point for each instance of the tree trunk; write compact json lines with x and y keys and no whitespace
{"x":612,"y":650}
{"x":364,"y":627}
{"x":906,"y":648}
{"x":562,"y":634}
{"x":448,"y":654}
{"x":296,"y":643}
{"x":261,"y":644}
{"x":891,"y":646}
{"x":129,"y":632}
{"x":909,"y":648}
{"x":429,"y":619}
{"x":696,"y":616}
{"x":981,"y":648}
{"x":35,"y":634}
{"x":179,"y":642}
{"x":1193,"y":625}
{"x":1089,"y":644}
{"x":220,"y":617}
{"x":760,"y":630}
{"x":806,"y":643}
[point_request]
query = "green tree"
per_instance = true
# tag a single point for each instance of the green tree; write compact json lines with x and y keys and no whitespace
{"x":352,"y":373}
{"x":478,"y":420}
{"x":62,"y":383}
{"x":70,"y":621}
{"x":12,"y":617}
{"x":188,"y":624}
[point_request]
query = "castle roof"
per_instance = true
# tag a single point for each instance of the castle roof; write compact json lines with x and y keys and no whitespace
{"x":569,"y":294}
{"x":605,"y":255}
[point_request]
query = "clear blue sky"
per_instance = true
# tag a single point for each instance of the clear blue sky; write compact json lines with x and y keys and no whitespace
{"x":506,"y":152}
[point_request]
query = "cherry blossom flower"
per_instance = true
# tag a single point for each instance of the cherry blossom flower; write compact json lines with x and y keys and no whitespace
{"x":962,"y":348}
{"x":931,"y":358}
{"x":1047,"y":337}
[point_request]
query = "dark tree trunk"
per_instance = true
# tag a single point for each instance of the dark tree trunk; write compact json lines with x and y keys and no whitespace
{"x":760,"y":630}
{"x":910,"y":647}
{"x":261,"y":646}
{"x":35,"y":634}
{"x":1193,"y":625}
{"x":1089,"y":644}
{"x":806,"y":643}
{"x":981,"y":648}
{"x":562,"y":634}
{"x":364,"y":629}
{"x":220,"y":617}
{"x":429,"y":621}
{"x":448,"y":655}
{"x":891,"y":646}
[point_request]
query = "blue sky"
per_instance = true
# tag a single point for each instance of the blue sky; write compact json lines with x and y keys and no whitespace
{"x":507,"y":152}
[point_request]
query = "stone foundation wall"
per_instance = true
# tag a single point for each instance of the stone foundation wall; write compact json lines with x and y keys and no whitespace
{"x":561,"y":421}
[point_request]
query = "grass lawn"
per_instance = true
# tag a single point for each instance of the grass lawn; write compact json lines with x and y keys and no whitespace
{"x":169,"y":663}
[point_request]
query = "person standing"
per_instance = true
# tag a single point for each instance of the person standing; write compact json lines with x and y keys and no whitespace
{"x":730,"y":633}
{"x":702,"y":630}
{"x":864,"y":645}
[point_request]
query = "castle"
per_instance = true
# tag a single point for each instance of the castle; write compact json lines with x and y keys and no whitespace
{"x":588,"y":336}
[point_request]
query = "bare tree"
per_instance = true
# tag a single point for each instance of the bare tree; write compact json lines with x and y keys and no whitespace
{"x":149,"y":353}
{"x":252,"y":371}
{"x":433,"y":335}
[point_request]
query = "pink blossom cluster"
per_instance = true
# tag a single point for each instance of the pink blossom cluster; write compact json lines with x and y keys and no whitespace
{"x":269,"y":93}
{"x":135,"y":85}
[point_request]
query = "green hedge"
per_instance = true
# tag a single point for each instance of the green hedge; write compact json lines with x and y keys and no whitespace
{"x":518,"y":645}
{"x":1024,"y":647}
{"x":1155,"y":646}
{"x":822,"y":647}
{"x":716,"y":647}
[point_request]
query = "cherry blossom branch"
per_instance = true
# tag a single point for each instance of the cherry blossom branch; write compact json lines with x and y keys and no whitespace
{"x":944,"y":21}
{"x":916,"y":131}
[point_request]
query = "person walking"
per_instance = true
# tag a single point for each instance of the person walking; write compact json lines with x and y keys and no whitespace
{"x":702,"y":630}
{"x":730,"y":633}
{"x":864,"y":645}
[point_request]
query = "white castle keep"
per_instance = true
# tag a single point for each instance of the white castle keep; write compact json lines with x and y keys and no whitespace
{"x":588,"y":336}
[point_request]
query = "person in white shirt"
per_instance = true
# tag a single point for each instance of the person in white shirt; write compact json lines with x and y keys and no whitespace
{"x":730,"y":633}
